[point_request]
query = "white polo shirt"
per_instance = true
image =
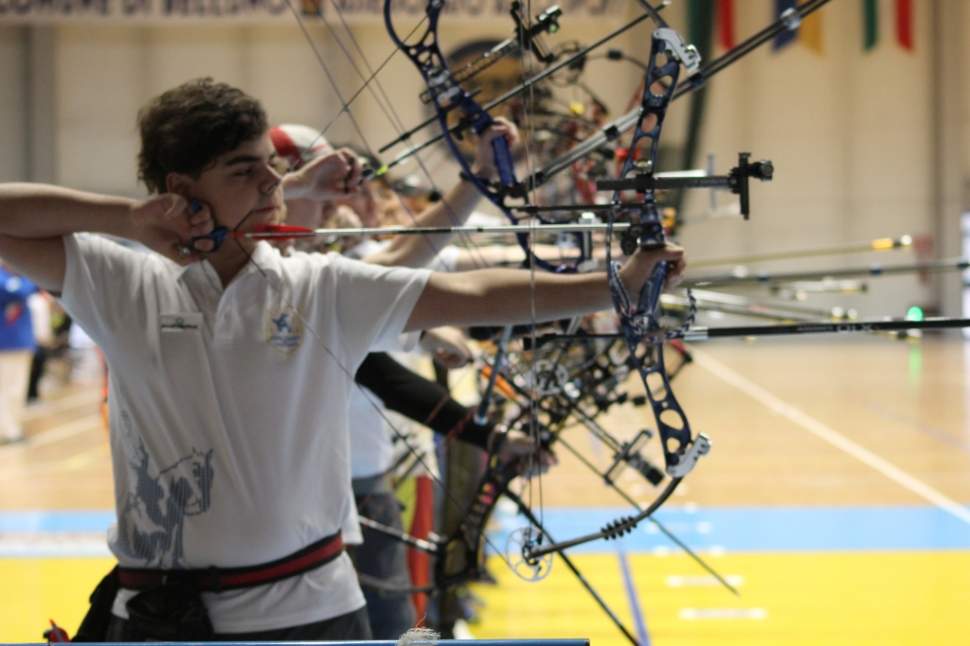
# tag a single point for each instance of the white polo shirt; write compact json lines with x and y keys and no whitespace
{"x":229,"y":411}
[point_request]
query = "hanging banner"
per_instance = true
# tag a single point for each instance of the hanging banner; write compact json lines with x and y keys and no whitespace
{"x":784,"y":37}
{"x":810,"y":32}
{"x":353,"y":11}
{"x":904,"y":24}
{"x":870,"y":24}
{"x":725,"y":24}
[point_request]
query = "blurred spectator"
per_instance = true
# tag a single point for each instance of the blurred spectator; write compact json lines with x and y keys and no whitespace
{"x":16,"y":349}
{"x":52,"y":326}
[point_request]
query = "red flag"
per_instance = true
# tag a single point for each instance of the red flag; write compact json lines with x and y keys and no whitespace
{"x":419,"y":562}
{"x":725,"y":23}
{"x":904,"y":24}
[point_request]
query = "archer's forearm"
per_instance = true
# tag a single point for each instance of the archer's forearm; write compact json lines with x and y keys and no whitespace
{"x":418,"y":251}
{"x":507,"y":296}
{"x":422,"y":400}
{"x":36,"y":211}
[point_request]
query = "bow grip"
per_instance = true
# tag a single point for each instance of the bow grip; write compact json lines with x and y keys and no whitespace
{"x":503,"y":161}
{"x":653,"y":288}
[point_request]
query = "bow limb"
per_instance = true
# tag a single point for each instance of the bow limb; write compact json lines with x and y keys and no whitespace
{"x":611,"y":131}
{"x":369,"y":81}
{"x":578,"y":392}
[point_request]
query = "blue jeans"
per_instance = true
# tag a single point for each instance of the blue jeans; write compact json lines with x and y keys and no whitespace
{"x":384,"y":558}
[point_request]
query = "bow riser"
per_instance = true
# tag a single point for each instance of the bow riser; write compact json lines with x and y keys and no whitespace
{"x":660,"y":80}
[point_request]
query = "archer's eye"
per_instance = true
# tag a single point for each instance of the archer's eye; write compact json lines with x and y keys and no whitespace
{"x":280,"y":165}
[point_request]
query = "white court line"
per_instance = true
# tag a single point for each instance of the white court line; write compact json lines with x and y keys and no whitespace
{"x":694,"y":614}
{"x":702,"y":581}
{"x":833,"y":437}
{"x":64,"y":431}
{"x":59,"y":405}
{"x":84,"y":458}
{"x":60,"y":465}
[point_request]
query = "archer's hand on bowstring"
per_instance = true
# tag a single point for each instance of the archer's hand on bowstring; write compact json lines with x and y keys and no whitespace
{"x":636,"y":271}
{"x":167,"y":223}
{"x":448,"y":346}
{"x":519,"y":447}
{"x":484,"y":165}
{"x":326,"y":177}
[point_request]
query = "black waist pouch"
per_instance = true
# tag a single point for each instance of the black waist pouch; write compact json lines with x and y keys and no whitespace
{"x":170,"y":612}
{"x":94,"y":626}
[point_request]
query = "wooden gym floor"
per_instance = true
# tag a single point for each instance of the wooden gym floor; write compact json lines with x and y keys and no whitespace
{"x":836,"y":499}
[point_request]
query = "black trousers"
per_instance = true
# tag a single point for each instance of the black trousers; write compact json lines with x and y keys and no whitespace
{"x":352,"y":626}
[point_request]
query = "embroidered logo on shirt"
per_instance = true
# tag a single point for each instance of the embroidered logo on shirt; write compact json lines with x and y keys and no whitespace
{"x":180,"y":322}
{"x":285,"y":330}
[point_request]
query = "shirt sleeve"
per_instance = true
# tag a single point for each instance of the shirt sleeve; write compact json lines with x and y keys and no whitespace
{"x":374,"y":304}
{"x":100,"y":284}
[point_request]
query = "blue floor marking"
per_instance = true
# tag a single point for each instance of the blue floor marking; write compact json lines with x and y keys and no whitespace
{"x":761,"y":529}
{"x":55,"y":521}
{"x":736,"y":529}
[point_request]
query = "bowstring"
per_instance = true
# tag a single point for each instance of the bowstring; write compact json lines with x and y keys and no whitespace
{"x":397,"y":123}
{"x":367,"y":81}
{"x":393,"y":117}
{"x":534,"y":485}
{"x":389,"y":112}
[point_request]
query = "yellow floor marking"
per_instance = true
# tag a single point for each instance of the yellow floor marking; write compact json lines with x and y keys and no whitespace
{"x":836,"y":599}
{"x":36,"y":590}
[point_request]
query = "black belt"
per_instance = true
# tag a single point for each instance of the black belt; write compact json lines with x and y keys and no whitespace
{"x":215,"y":579}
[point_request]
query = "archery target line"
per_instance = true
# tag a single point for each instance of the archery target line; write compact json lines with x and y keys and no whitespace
{"x":831,"y":436}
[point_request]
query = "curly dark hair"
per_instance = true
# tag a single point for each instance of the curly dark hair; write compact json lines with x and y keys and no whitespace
{"x":185,"y":129}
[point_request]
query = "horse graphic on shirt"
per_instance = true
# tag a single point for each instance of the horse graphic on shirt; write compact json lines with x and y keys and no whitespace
{"x":157,"y":503}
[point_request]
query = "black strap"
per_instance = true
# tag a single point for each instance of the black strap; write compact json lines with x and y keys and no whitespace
{"x":218,"y":579}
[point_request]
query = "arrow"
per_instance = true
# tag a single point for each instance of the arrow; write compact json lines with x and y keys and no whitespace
{"x":286,"y":231}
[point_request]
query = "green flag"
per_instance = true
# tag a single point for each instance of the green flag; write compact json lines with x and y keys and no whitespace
{"x":870,"y":24}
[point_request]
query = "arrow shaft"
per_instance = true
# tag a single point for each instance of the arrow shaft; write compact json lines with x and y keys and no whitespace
{"x":509,"y":229}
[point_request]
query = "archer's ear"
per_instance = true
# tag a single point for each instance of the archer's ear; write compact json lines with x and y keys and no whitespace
{"x":179,"y":184}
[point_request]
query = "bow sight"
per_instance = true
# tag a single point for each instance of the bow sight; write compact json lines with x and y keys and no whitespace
{"x":644,"y":180}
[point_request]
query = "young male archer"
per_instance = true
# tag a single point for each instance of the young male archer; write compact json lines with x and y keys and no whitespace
{"x":229,"y":436}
